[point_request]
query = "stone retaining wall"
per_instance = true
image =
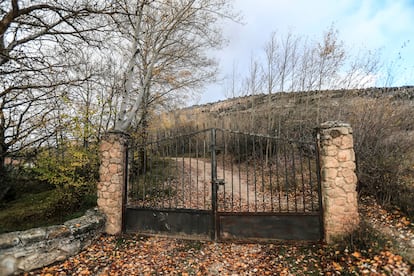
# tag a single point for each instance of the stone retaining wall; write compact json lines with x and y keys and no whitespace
{"x":27,"y":250}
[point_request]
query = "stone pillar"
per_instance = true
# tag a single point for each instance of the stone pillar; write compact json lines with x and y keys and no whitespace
{"x":111,"y":184}
{"x":339,"y":195}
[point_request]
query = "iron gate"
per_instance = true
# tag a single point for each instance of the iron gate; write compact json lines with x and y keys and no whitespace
{"x":224,"y":185}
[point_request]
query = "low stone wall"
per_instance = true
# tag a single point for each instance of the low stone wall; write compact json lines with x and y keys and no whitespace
{"x":27,"y":250}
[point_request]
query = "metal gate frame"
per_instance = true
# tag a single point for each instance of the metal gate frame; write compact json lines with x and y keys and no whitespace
{"x":217,"y":223}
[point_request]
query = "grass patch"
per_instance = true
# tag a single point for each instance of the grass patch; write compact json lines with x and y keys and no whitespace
{"x":364,"y":239}
{"x":37,"y":210}
{"x":155,"y":182}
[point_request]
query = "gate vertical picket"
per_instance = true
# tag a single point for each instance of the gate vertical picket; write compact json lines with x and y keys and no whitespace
{"x":214,"y":185}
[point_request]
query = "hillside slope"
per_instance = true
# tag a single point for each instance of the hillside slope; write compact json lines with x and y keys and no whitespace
{"x":382,"y":120}
{"x":278,"y":113}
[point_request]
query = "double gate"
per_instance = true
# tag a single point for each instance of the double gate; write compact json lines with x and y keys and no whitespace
{"x":224,"y":185}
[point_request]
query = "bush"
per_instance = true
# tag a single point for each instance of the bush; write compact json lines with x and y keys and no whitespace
{"x":384,"y":151}
{"x":73,"y":171}
{"x":61,"y":185}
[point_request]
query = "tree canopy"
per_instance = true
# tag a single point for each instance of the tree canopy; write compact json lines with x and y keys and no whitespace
{"x":73,"y":69}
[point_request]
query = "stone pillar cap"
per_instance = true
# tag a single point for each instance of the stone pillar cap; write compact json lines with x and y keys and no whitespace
{"x":118,"y":132}
{"x":332,"y":124}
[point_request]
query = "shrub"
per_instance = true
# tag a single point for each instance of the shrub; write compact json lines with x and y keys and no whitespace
{"x":383,"y":151}
{"x":73,"y":171}
{"x":60,"y":186}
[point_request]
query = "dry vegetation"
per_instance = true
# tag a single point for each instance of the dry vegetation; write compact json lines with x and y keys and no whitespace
{"x":381,"y":119}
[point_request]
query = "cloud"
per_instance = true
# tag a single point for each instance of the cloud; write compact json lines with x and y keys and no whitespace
{"x":379,"y":23}
{"x":369,"y":24}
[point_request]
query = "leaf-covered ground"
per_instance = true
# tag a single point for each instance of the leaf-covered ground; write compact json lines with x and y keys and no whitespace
{"x":135,"y":255}
{"x":366,"y":252}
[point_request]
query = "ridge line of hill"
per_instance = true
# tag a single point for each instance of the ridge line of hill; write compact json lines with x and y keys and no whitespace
{"x":394,"y":93}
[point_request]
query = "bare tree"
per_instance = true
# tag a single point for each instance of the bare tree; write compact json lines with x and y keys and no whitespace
{"x":232,"y":87}
{"x":253,"y":84}
{"x":331,"y":56}
{"x":306,"y":76}
{"x":362,"y":70}
{"x":270,"y":69}
{"x":34,"y":36}
{"x":287,"y":60}
{"x":297,"y":63}
{"x":167,"y":45}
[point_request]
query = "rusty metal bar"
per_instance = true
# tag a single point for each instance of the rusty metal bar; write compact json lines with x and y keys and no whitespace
{"x":311,"y":184}
{"x":239,"y":171}
{"x":145,"y":175}
{"x":204,"y":172}
{"x":190,"y":170}
{"x":182,"y":172}
{"x":302,"y":180}
{"x":269,"y":164}
{"x":319,"y":183}
{"x":214,"y":185}
{"x":277,"y":177}
{"x":223,"y":165}
{"x":247,"y":173}
{"x":294,"y":176}
{"x":169,"y":172}
{"x":263,"y":179}
{"x":254,"y":173}
{"x":164,"y":168}
{"x":286,"y":178}
{"x":197,"y":170}
{"x":232,"y":174}
{"x":176,"y":169}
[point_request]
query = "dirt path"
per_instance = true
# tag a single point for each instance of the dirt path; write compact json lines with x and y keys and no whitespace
{"x":235,"y":186}
{"x":244,"y":189}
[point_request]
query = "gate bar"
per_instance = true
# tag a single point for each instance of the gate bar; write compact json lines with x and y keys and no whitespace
{"x":214,"y":185}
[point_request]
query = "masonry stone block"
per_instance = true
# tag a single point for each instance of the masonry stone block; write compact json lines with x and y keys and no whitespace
{"x":34,"y":248}
{"x":105,"y":154}
{"x":344,"y":130}
{"x":348,"y":165}
{"x":115,"y":160}
{"x":344,"y":155}
{"x":104,"y":147}
{"x":329,"y":162}
{"x":113,"y":169}
{"x":347,"y":142}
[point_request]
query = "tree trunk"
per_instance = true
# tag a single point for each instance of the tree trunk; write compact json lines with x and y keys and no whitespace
{"x":3,"y":146}
{"x":4,"y":185}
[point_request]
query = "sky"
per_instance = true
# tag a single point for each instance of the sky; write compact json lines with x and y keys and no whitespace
{"x":384,"y":25}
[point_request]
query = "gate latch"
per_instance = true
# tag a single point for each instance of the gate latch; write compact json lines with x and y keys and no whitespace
{"x":219,"y":181}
